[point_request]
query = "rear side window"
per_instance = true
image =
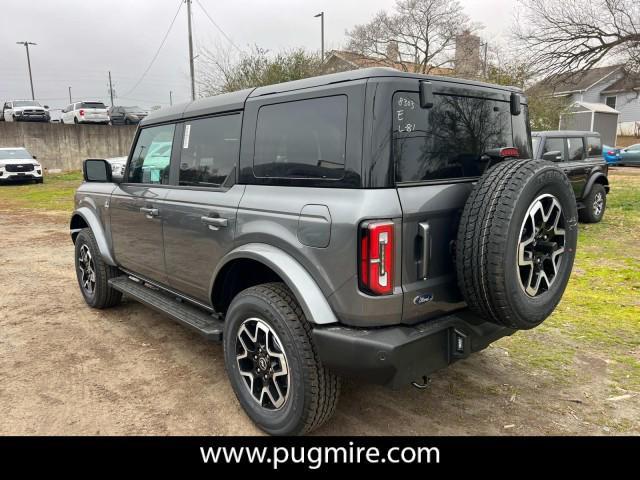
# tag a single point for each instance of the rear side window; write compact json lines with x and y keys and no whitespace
{"x":576,"y":148}
{"x":152,"y":155}
{"x":450,"y":139}
{"x":210,"y":149}
{"x":594,"y":147}
{"x":304,"y":139}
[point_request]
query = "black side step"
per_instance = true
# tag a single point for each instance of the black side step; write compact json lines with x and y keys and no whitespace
{"x":202,"y":322}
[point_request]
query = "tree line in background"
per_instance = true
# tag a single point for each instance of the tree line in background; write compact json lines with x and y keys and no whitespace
{"x":549,"y":37}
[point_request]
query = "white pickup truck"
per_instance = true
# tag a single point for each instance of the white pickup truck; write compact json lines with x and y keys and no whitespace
{"x":24,"y":111}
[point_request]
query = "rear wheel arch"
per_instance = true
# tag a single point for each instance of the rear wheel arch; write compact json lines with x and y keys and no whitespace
{"x":236,"y":276}
{"x":257,"y":261}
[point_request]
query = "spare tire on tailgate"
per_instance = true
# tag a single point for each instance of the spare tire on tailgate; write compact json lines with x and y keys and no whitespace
{"x":517,"y":242}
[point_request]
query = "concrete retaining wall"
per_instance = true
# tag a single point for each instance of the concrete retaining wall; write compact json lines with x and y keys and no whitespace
{"x":64,"y":147}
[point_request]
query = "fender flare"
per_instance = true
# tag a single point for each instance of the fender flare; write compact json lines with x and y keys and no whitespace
{"x":592,"y":181}
{"x":91,"y":219}
{"x":295,"y":276}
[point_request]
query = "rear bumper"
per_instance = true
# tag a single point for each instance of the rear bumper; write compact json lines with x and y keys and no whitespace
{"x":396,"y":356}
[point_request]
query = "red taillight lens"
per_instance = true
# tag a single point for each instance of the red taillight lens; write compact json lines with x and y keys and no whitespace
{"x":509,"y":152}
{"x":376,"y":257}
{"x":81,"y":112}
{"x":611,"y":152}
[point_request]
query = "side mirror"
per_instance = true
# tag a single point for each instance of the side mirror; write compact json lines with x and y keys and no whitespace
{"x":47,"y":107}
{"x":553,"y":156}
{"x":34,"y":157}
{"x":426,"y":94}
{"x":96,"y":170}
{"x":515,"y":103}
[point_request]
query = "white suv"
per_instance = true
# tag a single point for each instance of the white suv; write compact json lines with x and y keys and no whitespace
{"x":18,"y":164}
{"x":85,"y":112}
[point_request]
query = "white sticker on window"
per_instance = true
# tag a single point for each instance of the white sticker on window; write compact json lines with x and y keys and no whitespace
{"x":187,"y":132}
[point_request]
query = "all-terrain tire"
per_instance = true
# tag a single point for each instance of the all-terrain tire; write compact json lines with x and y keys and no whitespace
{"x":313,"y":390}
{"x":102,"y":295}
{"x":594,"y":205}
{"x":492,"y":231}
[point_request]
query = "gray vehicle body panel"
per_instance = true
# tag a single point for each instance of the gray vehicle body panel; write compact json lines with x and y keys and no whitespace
{"x":308,"y":233}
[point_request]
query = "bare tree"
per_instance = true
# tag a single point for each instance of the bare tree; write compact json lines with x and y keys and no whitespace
{"x":222,"y":72}
{"x":419,"y":32}
{"x":572,"y":36}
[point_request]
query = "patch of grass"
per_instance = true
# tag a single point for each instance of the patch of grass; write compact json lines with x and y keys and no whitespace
{"x":55,"y":194}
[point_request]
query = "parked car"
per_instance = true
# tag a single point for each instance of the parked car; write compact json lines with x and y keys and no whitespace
{"x":630,"y":155}
{"x":85,"y":112}
{"x":17,"y":164}
{"x":118,"y":165}
{"x":352,"y":224}
{"x":126,"y":115}
{"x":580,"y":155}
{"x":611,"y":154}
{"x":24,"y":111}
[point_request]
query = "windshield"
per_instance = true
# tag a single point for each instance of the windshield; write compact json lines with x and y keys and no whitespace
{"x":26,"y":103}
{"x":15,"y":154}
{"x":454,"y":138}
{"x":92,"y":105}
{"x":535,"y":141}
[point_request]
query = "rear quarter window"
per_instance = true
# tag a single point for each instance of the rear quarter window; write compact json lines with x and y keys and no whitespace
{"x":594,"y":147}
{"x":449,"y":140}
{"x":302,"y":139}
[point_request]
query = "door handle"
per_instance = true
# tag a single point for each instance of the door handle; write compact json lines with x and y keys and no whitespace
{"x":425,"y":235}
{"x":150,"y":212}
{"x":214,"y":223}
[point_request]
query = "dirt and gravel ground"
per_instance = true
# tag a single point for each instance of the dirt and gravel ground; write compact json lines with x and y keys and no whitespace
{"x":68,"y":369}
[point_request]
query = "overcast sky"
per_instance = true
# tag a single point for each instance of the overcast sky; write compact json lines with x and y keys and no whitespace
{"x":79,"y":41}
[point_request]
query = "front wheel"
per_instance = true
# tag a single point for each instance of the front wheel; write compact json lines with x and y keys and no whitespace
{"x":273,"y":365}
{"x":594,"y":205}
{"x":93,"y":273}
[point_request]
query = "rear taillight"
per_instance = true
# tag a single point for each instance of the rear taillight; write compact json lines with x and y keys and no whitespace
{"x":611,"y":152}
{"x":81,"y":112}
{"x":376,"y":257}
{"x":509,"y":152}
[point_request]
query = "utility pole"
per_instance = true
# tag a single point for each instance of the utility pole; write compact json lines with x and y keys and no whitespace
{"x":193,"y":80}
{"x":321,"y":15}
{"x":26,"y":45}
{"x":70,"y":101}
{"x":110,"y":89}
{"x":170,"y":97}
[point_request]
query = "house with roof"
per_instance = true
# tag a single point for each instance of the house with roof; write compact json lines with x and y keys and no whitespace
{"x":343,"y":60}
{"x":605,"y":90}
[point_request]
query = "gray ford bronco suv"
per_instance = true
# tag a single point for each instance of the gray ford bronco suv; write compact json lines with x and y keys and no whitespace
{"x":371,"y":223}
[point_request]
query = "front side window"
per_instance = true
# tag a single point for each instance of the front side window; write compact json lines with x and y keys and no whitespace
{"x":304,"y":139}
{"x":594,"y":147}
{"x":576,"y":149}
{"x":453,"y":139}
{"x":152,"y":155}
{"x":210,"y":149}
{"x":554,"y":145}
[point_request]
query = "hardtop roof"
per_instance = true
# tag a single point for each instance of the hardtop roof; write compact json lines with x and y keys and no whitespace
{"x":235,"y":100}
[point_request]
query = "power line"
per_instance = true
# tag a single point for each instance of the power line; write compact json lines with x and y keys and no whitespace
{"x":164,"y":39}
{"x":218,"y":27}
